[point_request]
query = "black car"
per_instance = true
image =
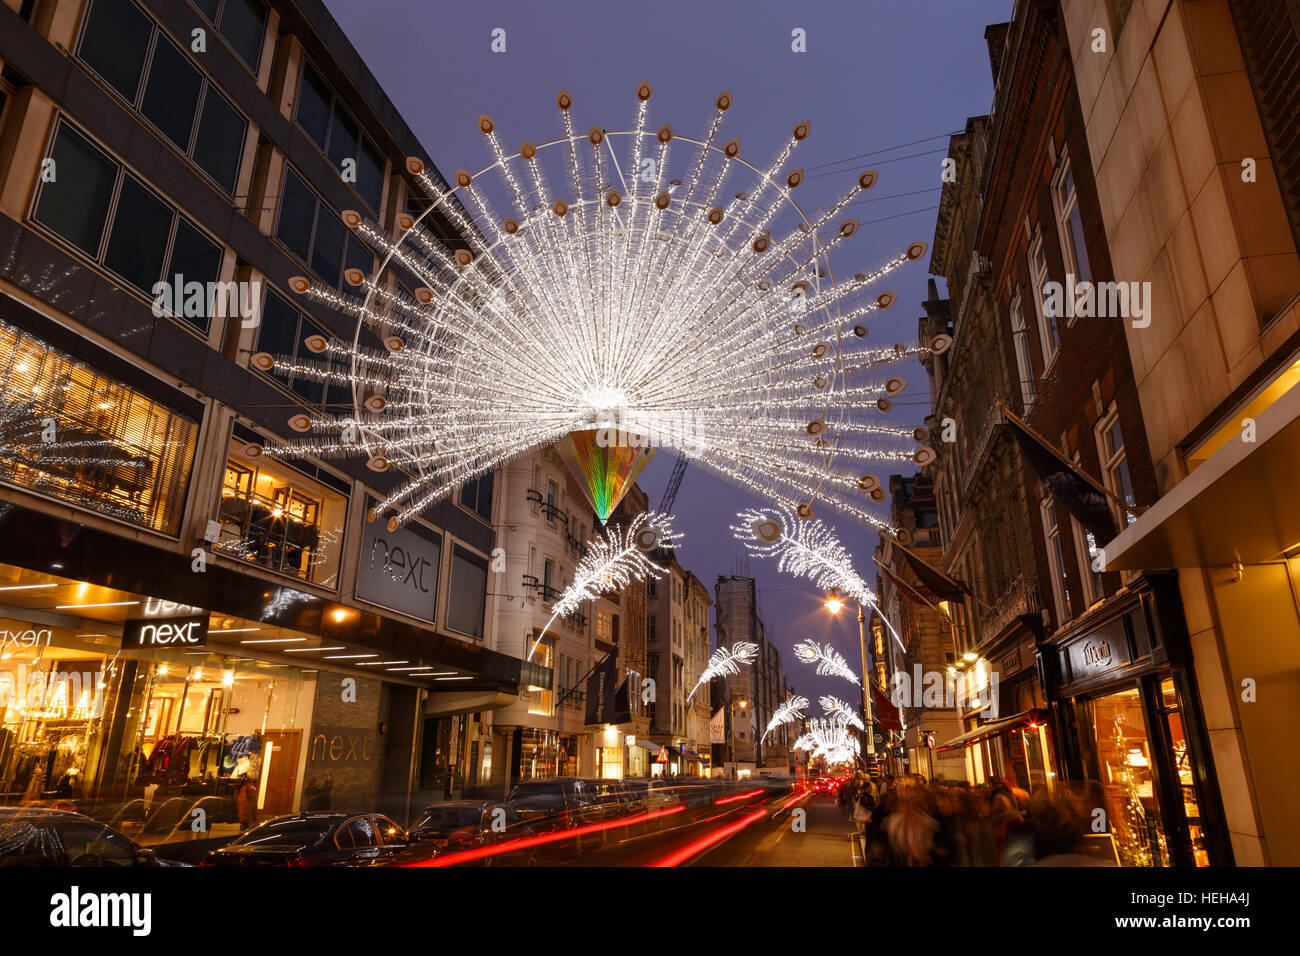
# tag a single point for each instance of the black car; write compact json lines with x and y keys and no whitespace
{"x":563,"y":803}
{"x":462,"y":824}
{"x":35,"y":836}
{"x":315,"y":839}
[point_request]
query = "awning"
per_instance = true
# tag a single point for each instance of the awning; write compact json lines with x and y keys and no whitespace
{"x":653,"y":747}
{"x":691,"y":756}
{"x":1240,"y":505}
{"x":992,"y":729}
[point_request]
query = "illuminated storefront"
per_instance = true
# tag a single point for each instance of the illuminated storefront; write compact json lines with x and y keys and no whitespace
{"x":71,"y":433}
{"x":1130,"y":731}
{"x":116,"y":705}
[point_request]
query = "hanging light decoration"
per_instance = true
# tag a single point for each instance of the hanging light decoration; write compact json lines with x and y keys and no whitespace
{"x":608,"y":272}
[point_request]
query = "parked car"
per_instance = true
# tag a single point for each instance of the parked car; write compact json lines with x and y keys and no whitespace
{"x":315,"y":839}
{"x":563,"y":803}
{"x":38,"y":836}
{"x":462,"y":824}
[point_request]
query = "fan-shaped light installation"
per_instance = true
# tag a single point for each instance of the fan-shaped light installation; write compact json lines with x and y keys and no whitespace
{"x":726,"y":662}
{"x":615,"y":558}
{"x":641,"y":276}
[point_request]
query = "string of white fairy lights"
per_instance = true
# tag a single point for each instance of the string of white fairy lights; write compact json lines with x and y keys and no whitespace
{"x":670,"y":301}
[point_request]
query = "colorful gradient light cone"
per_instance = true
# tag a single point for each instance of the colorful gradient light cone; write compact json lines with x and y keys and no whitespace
{"x":605,"y":470}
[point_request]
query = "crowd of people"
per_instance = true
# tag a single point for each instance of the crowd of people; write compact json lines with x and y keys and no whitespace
{"x":907,"y":821}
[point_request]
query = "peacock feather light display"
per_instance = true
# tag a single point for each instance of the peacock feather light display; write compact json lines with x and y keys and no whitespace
{"x":789,"y":712}
{"x":613,"y":291}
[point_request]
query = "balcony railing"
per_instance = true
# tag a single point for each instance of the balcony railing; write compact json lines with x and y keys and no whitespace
{"x":992,"y":420}
{"x":549,"y":509}
{"x":1018,"y":600}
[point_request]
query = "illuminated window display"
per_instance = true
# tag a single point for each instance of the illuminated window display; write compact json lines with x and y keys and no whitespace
{"x":69,"y":432}
{"x":141,"y":739}
{"x":281,"y":519}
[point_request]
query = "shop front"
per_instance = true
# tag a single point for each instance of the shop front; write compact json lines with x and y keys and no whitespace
{"x":1128,"y":722}
{"x":120,"y":707}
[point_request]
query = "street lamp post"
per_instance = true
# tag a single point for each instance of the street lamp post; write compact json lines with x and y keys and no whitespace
{"x":835,"y":605}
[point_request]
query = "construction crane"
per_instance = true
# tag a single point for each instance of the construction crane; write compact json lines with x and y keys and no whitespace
{"x":674,"y":482}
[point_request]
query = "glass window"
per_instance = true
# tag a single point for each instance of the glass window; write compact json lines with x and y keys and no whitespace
{"x":281,"y":519}
{"x":1124,"y":757}
{"x":1056,"y":560}
{"x":1024,"y":363}
{"x":1183,"y":767}
{"x":171,"y":94}
{"x":316,"y":234}
{"x":175,"y":93}
{"x":467,"y":598}
{"x":358,"y":834}
{"x":243,"y":24}
{"x":195,"y":258}
{"x":115,"y":42}
{"x":114,"y":451}
{"x":476,"y":495}
{"x":137,"y":242}
{"x":328,"y":123}
{"x":1114,"y":467}
{"x":1070,"y":220}
{"x":76,"y":204}
{"x":297,"y":215}
{"x":314,"y":106}
{"x":1049,"y":332}
{"x":220,"y":140}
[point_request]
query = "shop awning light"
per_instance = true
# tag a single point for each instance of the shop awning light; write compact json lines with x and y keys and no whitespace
{"x":308,"y":650}
{"x":468,"y":677}
{"x":276,"y":640}
{"x":65,"y":607}
{"x":419,"y":667}
{"x":232,"y":630}
{"x":26,"y":587}
{"x":347,"y":657}
{"x":380,"y":663}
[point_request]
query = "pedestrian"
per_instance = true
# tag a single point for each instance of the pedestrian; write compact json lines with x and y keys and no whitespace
{"x":246,"y":803}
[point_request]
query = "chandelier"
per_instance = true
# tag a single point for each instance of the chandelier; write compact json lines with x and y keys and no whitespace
{"x":614,"y":291}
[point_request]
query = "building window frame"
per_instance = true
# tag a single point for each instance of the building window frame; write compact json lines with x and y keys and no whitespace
{"x":321,"y":205}
{"x":1069,"y":214}
{"x":1052,"y":537}
{"x":215,"y":20}
{"x":136,"y":102}
{"x":99,"y":257}
{"x":336,"y":105}
{"x":1049,"y":331}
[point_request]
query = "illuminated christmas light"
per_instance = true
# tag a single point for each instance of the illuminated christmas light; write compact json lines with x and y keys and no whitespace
{"x":807,"y":549}
{"x":726,"y":662}
{"x":615,"y":558}
{"x":788,"y":712}
{"x":837,"y":709}
{"x":828,"y":660}
{"x":622,"y":283}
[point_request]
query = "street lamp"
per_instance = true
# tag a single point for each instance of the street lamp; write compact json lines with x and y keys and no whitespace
{"x":835,"y":605}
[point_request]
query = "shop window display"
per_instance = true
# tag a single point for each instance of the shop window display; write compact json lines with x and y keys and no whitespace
{"x":1128,"y":786}
{"x":69,"y":432}
{"x":282,"y":520}
{"x":150,"y":743}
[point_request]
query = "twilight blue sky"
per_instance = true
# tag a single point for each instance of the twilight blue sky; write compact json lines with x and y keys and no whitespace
{"x":879,"y":77}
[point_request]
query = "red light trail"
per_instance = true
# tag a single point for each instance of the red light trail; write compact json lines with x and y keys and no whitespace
{"x":524,"y":842}
{"x":699,"y":846}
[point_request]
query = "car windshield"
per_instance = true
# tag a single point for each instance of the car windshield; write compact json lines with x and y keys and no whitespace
{"x":450,"y":817}
{"x":285,"y":833}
